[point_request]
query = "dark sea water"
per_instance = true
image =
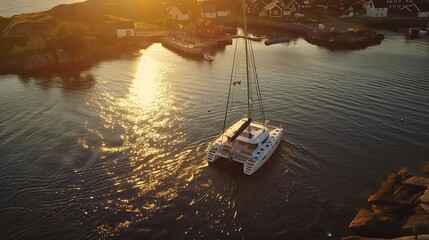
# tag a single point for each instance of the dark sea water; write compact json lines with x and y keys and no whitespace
{"x":118,"y":151}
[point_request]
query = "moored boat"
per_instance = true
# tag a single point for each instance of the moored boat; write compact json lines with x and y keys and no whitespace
{"x":208,"y":56}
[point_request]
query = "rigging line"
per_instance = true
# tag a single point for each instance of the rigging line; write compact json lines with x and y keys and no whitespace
{"x":229,"y":91}
{"x":247,"y":59}
{"x":258,"y":89}
{"x":256,"y":81}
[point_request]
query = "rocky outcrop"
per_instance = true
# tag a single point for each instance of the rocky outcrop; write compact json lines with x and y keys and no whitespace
{"x":345,"y":40}
{"x":400,"y":207}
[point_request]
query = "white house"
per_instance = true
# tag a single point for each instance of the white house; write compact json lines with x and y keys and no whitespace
{"x":125,"y":29}
{"x":178,"y":13}
{"x":376,"y":8}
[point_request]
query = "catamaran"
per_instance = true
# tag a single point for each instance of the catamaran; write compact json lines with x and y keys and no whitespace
{"x":246,"y":140}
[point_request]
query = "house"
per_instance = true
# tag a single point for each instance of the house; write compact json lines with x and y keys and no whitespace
{"x":305,"y":5}
{"x":205,"y":28}
{"x":376,"y":8}
{"x":254,"y":7}
{"x":423,"y":9}
{"x":125,"y":29}
{"x":178,"y":12}
{"x":208,"y":9}
{"x":409,"y":10}
{"x":290,"y":7}
{"x":273,"y":9}
{"x":416,"y":10}
{"x":223,"y":9}
{"x":396,"y":5}
{"x":337,"y":5}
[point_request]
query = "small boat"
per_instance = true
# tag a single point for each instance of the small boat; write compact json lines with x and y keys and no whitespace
{"x":208,"y":57}
{"x":274,"y":41}
{"x":413,"y":31}
{"x":256,"y":37}
{"x":247,"y":140}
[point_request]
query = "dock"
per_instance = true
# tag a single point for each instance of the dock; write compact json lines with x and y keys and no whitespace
{"x":189,"y":44}
{"x":182,"y":45}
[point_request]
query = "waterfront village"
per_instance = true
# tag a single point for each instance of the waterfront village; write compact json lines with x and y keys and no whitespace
{"x":82,"y":32}
{"x":77,"y":34}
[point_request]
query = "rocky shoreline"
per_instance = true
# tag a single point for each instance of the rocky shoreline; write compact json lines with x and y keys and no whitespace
{"x":400,"y":210}
{"x":337,"y":39}
{"x":352,"y":40}
{"x":56,"y":60}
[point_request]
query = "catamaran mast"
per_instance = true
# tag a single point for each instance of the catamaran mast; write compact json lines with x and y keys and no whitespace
{"x":247,"y":60}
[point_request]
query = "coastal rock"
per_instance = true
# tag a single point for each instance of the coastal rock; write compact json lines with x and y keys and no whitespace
{"x":393,"y":193}
{"x":418,"y":223}
{"x":425,"y":207}
{"x":366,"y":238}
{"x":408,"y":193}
{"x":418,"y":181}
{"x":426,"y":168}
{"x":360,"y":238}
{"x":368,"y":223}
{"x":345,"y":40}
{"x":424,"y":198}
{"x":393,"y":210}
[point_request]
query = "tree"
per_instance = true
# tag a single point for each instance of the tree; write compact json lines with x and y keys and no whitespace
{"x":73,"y":38}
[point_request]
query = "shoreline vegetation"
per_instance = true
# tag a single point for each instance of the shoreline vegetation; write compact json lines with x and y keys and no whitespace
{"x":78,"y":35}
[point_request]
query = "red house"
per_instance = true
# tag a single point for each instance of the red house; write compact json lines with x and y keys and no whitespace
{"x":290,"y":7}
{"x":337,"y":5}
{"x":306,"y":4}
{"x":204,"y":28}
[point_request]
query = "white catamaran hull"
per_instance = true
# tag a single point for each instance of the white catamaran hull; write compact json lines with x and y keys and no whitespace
{"x":252,"y":160}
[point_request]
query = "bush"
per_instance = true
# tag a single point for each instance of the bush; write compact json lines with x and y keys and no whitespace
{"x":73,"y":38}
{"x":33,"y":45}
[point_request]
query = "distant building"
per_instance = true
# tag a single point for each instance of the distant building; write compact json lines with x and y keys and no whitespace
{"x":376,"y":8}
{"x":214,"y":8}
{"x":290,"y":7}
{"x":423,"y":9}
{"x":306,"y":5}
{"x":223,"y":8}
{"x":396,"y":5}
{"x":208,"y":9}
{"x":416,"y":10}
{"x":273,"y":9}
{"x":205,"y":28}
{"x":254,"y":7}
{"x":125,"y":29}
{"x":337,"y":5}
{"x":179,"y":13}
